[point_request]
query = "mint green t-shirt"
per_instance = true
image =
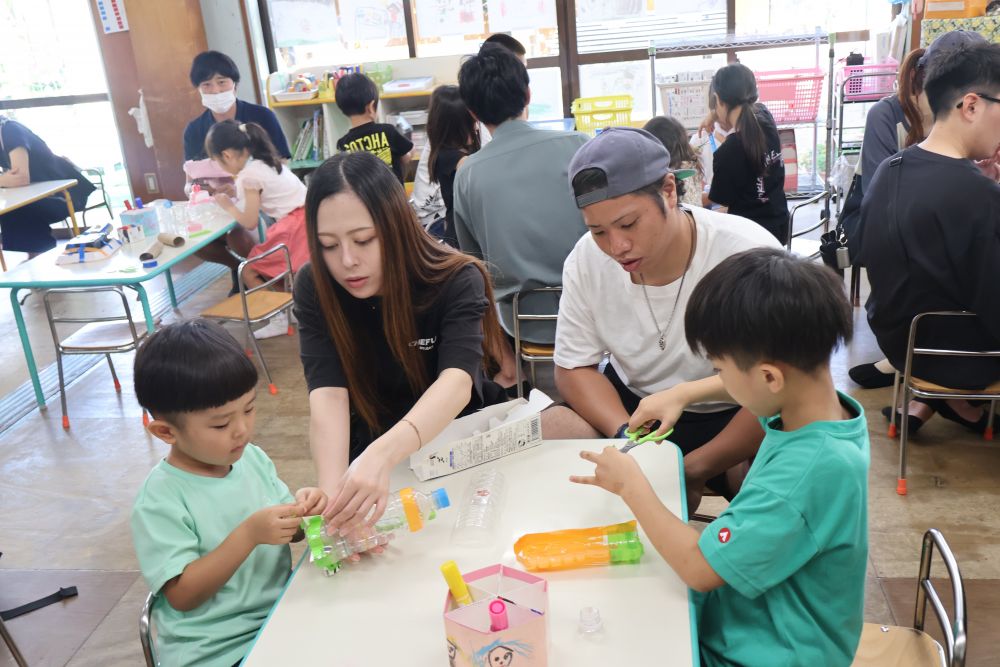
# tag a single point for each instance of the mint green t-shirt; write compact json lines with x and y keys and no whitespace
{"x":792,"y":548}
{"x":178,"y":517}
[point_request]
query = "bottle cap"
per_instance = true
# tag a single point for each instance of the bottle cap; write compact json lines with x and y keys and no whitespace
{"x":150,"y":264}
{"x":168,"y":204}
{"x":440,"y":498}
{"x":590,"y":620}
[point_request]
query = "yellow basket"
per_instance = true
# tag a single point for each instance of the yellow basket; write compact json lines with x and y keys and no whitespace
{"x":592,"y":113}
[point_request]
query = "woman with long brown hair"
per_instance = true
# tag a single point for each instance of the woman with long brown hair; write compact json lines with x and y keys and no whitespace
{"x":397,"y":335}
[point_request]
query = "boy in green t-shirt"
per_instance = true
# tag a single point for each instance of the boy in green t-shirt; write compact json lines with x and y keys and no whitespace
{"x":212,"y":522}
{"x":780,"y":575}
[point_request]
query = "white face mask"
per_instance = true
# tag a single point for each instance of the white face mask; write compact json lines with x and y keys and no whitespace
{"x":219,"y":102}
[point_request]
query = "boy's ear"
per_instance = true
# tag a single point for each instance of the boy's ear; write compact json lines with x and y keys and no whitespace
{"x":773,"y":376}
{"x":372,"y":106}
{"x":163,"y":430}
{"x":669,"y":190}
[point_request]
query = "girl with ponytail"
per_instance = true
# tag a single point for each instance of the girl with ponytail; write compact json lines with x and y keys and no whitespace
{"x":748,"y":170}
{"x":263,"y":183}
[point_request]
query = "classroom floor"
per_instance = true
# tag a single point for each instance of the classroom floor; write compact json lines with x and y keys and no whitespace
{"x":66,"y":498}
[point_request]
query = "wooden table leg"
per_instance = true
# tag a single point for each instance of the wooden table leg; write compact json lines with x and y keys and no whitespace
{"x":72,"y":213}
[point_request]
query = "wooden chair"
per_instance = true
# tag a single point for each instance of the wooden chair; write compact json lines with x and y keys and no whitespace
{"x":259,"y":304}
{"x":531,"y":352}
{"x":915,"y":387}
{"x":892,"y":646}
{"x":100,"y":335}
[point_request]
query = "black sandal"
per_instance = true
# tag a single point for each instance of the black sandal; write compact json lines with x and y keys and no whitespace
{"x":949,"y":413}
{"x":869,"y":377}
{"x":913,"y":423}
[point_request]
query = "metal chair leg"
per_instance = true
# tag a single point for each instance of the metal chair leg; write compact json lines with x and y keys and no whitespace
{"x":904,"y":433}
{"x":263,"y":364}
{"x":62,"y":390}
{"x":114,"y":376}
{"x":988,"y":434}
{"x":534,"y":381}
{"x":895,"y":405}
{"x":12,"y":645}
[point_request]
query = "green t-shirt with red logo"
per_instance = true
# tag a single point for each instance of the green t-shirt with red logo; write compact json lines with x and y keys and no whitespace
{"x":792,"y":548}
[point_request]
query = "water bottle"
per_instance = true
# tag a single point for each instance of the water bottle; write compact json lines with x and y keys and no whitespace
{"x":410,"y":509}
{"x":327,"y":551}
{"x":481,"y":508}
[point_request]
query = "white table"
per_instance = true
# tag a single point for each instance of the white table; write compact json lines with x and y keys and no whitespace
{"x":123,"y":268}
{"x":14,"y":198}
{"x":387,"y":609}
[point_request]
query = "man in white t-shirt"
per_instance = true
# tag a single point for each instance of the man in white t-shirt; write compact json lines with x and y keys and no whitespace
{"x":625,"y":291}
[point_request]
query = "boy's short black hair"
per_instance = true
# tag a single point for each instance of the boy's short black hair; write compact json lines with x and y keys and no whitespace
{"x":191,"y":366}
{"x":209,"y":63}
{"x":765,"y":305}
{"x":507,"y":42}
{"x":494,"y":84}
{"x":974,"y":68}
{"x":354,"y":93}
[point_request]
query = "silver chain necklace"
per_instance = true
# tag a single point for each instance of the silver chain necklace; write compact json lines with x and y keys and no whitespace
{"x":642,"y":283}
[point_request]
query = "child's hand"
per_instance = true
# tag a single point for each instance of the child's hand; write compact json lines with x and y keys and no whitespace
{"x":311,"y":501}
{"x":223,"y":200}
{"x":274,"y":525}
{"x":615,"y":472}
{"x":665,"y":406}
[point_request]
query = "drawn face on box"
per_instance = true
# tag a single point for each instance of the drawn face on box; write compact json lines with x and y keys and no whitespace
{"x":452,"y":652}
{"x":501,"y":656}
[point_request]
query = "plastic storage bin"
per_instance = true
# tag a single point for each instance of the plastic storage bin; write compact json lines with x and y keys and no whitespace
{"x":791,"y":95}
{"x":870,"y":87}
{"x":592,"y":113}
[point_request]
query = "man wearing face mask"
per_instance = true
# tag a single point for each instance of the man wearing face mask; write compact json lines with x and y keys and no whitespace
{"x":215,"y":76}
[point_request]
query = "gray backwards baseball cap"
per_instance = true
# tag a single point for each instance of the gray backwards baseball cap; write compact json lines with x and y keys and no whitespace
{"x":956,"y":39}
{"x":630,"y":158}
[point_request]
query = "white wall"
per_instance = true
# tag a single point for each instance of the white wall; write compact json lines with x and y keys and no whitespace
{"x":224,"y":32}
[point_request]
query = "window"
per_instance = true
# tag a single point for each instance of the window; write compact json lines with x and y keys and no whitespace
{"x":454,"y":27}
{"x":546,"y":94}
{"x":336,"y":32}
{"x":617,"y":25}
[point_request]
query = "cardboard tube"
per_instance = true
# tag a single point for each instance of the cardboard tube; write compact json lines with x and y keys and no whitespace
{"x":172,"y":240}
{"x":152,"y":252}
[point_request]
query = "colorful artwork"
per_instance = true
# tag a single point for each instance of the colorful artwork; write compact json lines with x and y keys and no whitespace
{"x":501,"y":654}
{"x":509,"y":15}
{"x":443,"y":18}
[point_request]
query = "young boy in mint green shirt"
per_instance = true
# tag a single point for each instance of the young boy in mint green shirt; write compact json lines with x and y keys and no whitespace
{"x":212,"y":522}
{"x":780,"y":575}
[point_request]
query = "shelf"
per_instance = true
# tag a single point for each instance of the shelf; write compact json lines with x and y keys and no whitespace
{"x":736,"y":42}
{"x":316,"y":101}
{"x":411,"y":93}
{"x":304,"y":164}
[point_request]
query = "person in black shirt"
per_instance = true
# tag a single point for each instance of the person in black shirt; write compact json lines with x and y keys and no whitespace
{"x":26,"y":159}
{"x":357,"y":98}
{"x":397,"y":335}
{"x":748,"y":173}
{"x":931,"y":217}
{"x":453,"y":136}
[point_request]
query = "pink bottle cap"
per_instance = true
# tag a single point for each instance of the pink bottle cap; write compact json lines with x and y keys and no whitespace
{"x":498,"y":616}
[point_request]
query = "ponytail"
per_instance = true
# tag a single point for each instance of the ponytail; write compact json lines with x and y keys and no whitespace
{"x":230,"y":135}
{"x":911,"y":85}
{"x":736,"y":87}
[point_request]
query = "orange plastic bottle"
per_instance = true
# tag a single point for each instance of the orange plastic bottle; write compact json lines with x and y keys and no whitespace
{"x":580,"y":547}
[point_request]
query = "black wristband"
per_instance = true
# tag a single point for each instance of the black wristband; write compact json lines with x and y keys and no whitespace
{"x":620,"y":433}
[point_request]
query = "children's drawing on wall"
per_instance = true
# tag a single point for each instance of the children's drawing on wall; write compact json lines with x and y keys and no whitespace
{"x":371,"y":20}
{"x":508,"y":15}
{"x":296,"y":22}
{"x":501,"y":654}
{"x":442,"y":18}
{"x":608,"y":10}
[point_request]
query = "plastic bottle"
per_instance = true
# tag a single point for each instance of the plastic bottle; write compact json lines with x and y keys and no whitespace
{"x":583,"y":547}
{"x":408,"y":508}
{"x":327,"y":551}
{"x":481,"y":508}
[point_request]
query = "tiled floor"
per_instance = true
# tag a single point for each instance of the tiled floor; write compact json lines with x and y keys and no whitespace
{"x":66,"y":499}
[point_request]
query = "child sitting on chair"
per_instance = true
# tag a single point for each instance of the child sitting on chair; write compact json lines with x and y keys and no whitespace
{"x":212,"y":522}
{"x":780,"y":574}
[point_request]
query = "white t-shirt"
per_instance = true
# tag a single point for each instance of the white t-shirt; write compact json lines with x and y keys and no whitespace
{"x":601,"y":309}
{"x":426,"y":199}
{"x":280,"y":194}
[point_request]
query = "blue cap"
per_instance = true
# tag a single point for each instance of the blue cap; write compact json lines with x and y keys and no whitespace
{"x":440,"y":497}
{"x":168,"y":204}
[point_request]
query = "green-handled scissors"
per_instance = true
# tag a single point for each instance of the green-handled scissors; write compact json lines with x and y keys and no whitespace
{"x":643,"y":434}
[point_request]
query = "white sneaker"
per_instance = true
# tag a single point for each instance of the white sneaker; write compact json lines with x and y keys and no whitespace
{"x":278,"y":326}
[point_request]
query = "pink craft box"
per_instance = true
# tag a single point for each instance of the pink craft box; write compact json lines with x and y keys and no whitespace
{"x":525,"y":642}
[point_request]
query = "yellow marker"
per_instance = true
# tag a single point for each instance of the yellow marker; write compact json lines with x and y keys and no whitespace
{"x":456,"y":583}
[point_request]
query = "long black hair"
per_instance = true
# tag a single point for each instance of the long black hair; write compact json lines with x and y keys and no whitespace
{"x":230,"y":135}
{"x":736,"y":87}
{"x":449,"y":125}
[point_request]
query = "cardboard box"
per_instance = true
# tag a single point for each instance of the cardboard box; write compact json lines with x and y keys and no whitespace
{"x":487,"y":435}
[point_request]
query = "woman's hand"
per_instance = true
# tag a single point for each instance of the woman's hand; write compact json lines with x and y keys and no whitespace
{"x":665,"y":407}
{"x":363,"y":493}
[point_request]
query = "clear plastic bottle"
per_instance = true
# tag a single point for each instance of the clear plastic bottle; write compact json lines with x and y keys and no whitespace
{"x":410,"y":509}
{"x":482,"y":504}
{"x":327,"y":551}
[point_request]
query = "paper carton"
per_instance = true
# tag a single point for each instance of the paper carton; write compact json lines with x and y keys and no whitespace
{"x":486,"y":435}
